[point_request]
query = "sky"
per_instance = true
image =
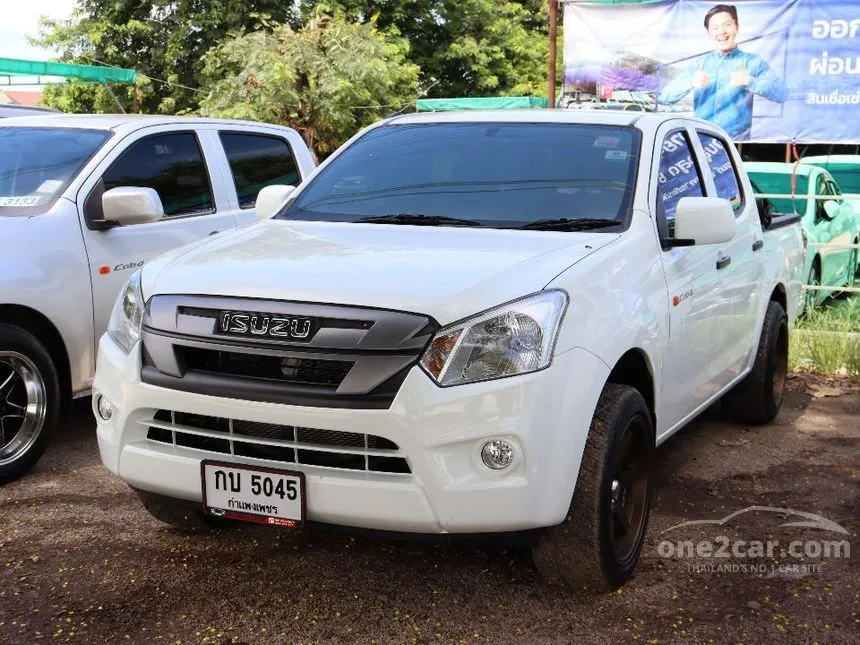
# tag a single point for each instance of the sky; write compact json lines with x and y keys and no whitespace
{"x":20,"y":18}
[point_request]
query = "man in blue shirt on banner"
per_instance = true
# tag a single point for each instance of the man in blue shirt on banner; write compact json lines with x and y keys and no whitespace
{"x":725,"y":80}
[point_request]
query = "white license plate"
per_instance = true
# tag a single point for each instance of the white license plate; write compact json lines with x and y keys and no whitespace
{"x":253,"y":494}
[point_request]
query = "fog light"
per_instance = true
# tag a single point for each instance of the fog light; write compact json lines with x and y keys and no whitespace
{"x":497,"y":454}
{"x":104,"y":407}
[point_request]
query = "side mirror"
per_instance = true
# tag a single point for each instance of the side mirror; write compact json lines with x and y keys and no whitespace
{"x":831,"y":209}
{"x":705,"y":220}
{"x":270,"y":200}
{"x":132,"y":205}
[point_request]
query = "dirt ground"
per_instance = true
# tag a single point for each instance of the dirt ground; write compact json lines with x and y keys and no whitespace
{"x":81,"y":561}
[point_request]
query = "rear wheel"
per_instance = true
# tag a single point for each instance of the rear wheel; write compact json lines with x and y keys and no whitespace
{"x":29,"y":401}
{"x":597,"y":546}
{"x":758,"y":398}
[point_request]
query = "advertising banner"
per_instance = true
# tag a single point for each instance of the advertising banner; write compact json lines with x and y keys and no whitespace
{"x":765,"y":70}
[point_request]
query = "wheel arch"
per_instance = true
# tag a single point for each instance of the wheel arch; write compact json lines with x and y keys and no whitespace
{"x":779,"y":295}
{"x":634,"y":369}
{"x":816,"y":262}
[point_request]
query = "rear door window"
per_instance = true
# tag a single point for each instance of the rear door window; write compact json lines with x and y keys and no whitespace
{"x":722,"y":170}
{"x":257,"y":161}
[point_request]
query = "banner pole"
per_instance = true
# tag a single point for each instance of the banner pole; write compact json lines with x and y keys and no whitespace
{"x":553,"y":31}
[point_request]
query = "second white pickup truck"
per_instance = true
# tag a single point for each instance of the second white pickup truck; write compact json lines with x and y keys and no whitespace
{"x":462,"y":323}
{"x":84,"y":202}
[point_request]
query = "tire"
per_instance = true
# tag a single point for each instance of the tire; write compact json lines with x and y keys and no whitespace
{"x":29,"y":401}
{"x":853,"y":269}
{"x":182,"y":515}
{"x":814,"y":280}
{"x":587,"y":551}
{"x":758,"y":398}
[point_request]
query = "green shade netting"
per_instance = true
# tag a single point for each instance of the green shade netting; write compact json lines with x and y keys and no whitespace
{"x":88,"y":73}
{"x":499,"y":103}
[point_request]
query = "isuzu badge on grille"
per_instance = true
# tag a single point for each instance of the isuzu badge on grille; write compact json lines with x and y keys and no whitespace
{"x":240,"y":323}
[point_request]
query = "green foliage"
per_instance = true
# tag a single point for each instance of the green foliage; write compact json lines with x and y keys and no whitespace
{"x":253,"y":59}
{"x":327,"y":80}
{"x":827,"y":340}
{"x":161,"y":39}
{"x":471,"y":47}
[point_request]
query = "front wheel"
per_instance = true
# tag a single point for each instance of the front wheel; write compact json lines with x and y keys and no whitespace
{"x":812,"y":295}
{"x":597,"y":546}
{"x":853,"y":269}
{"x":758,"y":398}
{"x":29,"y":401}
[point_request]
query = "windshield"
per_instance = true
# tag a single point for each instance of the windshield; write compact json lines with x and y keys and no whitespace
{"x":780,"y":184}
{"x":502,"y":175}
{"x":36,"y":165}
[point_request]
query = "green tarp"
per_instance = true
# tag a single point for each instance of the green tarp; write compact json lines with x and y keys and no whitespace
{"x":494,"y":103}
{"x":87,"y":73}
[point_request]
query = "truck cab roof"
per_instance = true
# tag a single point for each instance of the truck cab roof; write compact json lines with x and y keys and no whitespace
{"x":642,"y":120}
{"x":17,"y":111}
{"x":120,"y":122}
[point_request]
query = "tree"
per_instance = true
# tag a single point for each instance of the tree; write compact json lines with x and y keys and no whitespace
{"x":164,"y":40}
{"x":467,"y":47}
{"x":462,"y":47}
{"x":327,"y":80}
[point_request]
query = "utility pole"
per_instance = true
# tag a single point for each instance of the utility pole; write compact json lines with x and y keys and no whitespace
{"x":553,"y":32}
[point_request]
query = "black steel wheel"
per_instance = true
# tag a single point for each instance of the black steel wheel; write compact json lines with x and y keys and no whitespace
{"x":758,"y":398}
{"x":597,"y":546}
{"x":629,"y":489}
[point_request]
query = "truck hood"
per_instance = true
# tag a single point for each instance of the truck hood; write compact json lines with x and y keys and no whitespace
{"x":447,"y":273}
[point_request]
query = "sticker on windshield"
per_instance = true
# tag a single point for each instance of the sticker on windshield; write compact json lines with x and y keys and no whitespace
{"x":27,"y":200}
{"x":616,"y":154}
{"x":605,"y":142}
{"x":49,"y":186}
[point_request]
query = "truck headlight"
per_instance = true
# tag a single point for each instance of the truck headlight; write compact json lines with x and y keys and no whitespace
{"x":516,"y":338}
{"x":127,"y":315}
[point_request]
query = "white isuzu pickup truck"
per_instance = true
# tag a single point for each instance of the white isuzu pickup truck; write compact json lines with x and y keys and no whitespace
{"x":84,"y":202}
{"x":461,"y":323}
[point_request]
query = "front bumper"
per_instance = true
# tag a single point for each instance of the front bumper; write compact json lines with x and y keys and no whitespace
{"x":545,"y":415}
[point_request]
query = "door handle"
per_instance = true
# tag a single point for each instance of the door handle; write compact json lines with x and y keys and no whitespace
{"x":723,"y":262}
{"x":757,"y":245}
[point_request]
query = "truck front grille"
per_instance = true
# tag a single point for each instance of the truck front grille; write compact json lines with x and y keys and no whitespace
{"x":286,"y":370}
{"x":279,"y":443}
{"x":355,"y":357}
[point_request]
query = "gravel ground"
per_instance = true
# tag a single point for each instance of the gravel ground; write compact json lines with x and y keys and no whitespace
{"x":81,"y":561}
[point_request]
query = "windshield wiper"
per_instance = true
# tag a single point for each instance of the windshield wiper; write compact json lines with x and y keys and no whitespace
{"x":569,"y":224}
{"x":419,"y":219}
